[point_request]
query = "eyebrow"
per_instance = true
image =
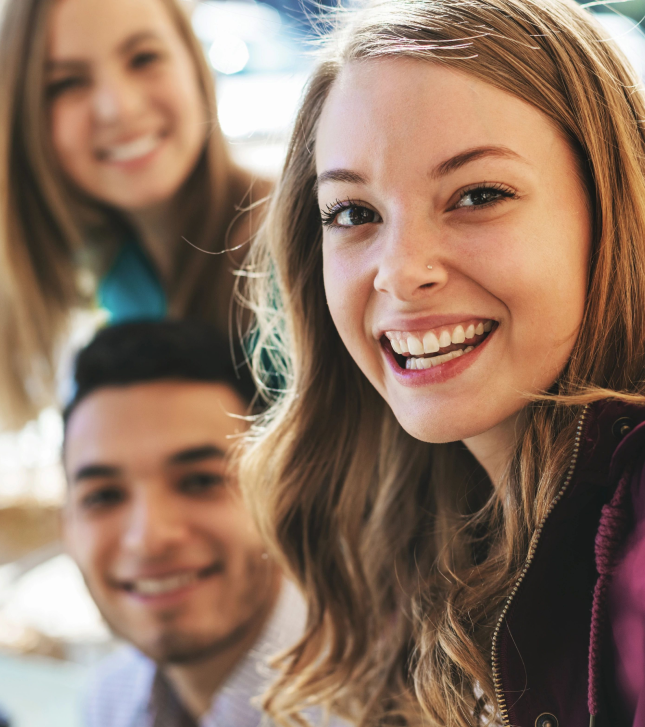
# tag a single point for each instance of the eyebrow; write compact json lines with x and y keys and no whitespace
{"x":137,"y":38}
{"x":95,"y":471}
{"x":340,"y":175}
{"x":197,"y":454}
{"x":441,"y":170}
{"x":472,"y":155}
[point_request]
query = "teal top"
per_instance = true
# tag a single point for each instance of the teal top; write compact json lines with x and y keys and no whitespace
{"x":131,"y":289}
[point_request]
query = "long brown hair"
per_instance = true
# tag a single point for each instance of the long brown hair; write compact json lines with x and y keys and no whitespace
{"x":47,"y":225}
{"x":404,"y":550}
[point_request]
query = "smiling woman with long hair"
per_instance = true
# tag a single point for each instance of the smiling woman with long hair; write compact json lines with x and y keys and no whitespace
{"x":452,"y":277}
{"x":111,"y":158}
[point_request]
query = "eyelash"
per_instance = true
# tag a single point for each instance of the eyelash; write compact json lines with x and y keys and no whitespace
{"x":329,"y":214}
{"x":505,"y":192}
{"x":331,"y":211}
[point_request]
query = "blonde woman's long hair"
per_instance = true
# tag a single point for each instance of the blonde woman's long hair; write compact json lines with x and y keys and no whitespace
{"x":404,"y":551}
{"x":47,"y":225}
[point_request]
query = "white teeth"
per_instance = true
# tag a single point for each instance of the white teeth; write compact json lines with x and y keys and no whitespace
{"x":430,"y":343}
{"x":157,"y":586}
{"x":404,"y":346}
{"x":417,"y":364}
{"x":479,"y":331}
{"x":133,"y":149}
{"x":458,"y":335}
{"x":445,"y":339}
{"x":415,"y":346}
{"x":470,"y":331}
{"x":488,"y":325}
{"x":396,"y":346}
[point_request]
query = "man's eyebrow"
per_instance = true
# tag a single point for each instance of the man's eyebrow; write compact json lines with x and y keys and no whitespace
{"x":133,"y":40}
{"x":340,"y":175}
{"x":95,"y":471}
{"x":197,"y":454}
{"x":472,"y":155}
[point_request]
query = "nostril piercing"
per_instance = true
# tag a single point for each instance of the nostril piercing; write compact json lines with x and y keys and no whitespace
{"x":429,"y":267}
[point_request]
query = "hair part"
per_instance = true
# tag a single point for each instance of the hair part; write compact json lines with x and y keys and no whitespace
{"x":391,"y":539}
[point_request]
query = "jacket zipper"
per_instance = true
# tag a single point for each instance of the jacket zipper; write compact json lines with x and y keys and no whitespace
{"x":502,"y":707}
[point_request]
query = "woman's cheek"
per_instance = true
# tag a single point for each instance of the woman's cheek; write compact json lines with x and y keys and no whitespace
{"x":69,"y":139}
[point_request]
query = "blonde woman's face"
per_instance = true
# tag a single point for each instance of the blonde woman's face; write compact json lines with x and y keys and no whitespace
{"x":456,"y":243}
{"x":127,"y":116}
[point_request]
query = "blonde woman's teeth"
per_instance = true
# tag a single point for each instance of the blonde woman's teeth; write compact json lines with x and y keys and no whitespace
{"x":133,"y":149}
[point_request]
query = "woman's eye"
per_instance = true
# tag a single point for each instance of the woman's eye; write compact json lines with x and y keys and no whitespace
{"x":483,"y":197}
{"x":349,"y":216}
{"x":197,"y":483}
{"x":143,"y":59}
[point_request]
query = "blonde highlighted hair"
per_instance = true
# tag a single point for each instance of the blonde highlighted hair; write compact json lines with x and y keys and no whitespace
{"x":47,"y":225}
{"x":404,"y":550}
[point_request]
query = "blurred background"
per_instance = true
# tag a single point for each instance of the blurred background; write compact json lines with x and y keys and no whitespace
{"x":50,"y":630}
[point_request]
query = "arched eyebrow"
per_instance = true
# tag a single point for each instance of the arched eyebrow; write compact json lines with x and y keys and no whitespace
{"x":441,"y":170}
{"x":472,"y":155}
{"x":134,"y":40}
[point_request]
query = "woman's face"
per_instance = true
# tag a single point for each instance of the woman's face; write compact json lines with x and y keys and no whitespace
{"x":128,"y":119}
{"x":456,"y":243}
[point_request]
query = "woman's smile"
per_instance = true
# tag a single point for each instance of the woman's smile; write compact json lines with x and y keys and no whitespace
{"x":456,"y":235}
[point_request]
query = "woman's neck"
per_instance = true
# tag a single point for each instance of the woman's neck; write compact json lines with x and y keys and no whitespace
{"x":494,"y":448}
{"x":157,"y":231}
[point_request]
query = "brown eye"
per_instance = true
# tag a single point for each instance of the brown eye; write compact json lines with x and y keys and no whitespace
{"x":356,"y":215}
{"x":483,"y":196}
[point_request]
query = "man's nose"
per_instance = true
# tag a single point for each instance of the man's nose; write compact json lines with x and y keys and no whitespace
{"x":115,"y":98}
{"x":155,"y":525}
{"x":410,"y":260}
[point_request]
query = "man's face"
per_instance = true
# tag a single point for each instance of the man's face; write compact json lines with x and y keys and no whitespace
{"x":156,"y":523}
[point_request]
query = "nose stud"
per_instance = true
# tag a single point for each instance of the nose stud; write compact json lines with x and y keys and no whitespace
{"x":429,"y":267}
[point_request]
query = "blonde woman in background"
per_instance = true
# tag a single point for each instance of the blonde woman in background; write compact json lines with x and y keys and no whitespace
{"x":111,"y":158}
{"x":455,"y":474}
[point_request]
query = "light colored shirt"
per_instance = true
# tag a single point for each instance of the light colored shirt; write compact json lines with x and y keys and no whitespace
{"x":128,"y":690}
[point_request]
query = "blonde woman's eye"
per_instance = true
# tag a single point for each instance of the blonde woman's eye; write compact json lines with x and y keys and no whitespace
{"x":483,"y":196}
{"x":349,"y":215}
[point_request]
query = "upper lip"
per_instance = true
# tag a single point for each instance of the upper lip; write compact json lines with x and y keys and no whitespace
{"x":423,"y":323}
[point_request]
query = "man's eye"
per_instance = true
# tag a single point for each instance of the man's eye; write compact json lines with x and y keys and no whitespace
{"x":71,"y":83}
{"x":349,"y":216}
{"x":483,"y":196}
{"x":200,"y":482}
{"x":103,"y":498}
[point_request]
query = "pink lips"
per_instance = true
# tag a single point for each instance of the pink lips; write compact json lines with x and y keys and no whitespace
{"x":437,"y":374}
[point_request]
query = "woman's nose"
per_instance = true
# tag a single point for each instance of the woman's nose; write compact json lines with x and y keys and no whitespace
{"x":115,"y":98}
{"x":410,"y":262}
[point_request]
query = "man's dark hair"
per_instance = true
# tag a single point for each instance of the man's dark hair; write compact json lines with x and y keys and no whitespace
{"x":147,"y":351}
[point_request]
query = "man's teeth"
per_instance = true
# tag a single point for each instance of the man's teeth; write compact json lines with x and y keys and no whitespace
{"x":426,"y":363}
{"x":157,"y":586}
{"x":432,"y":342}
{"x":133,"y":149}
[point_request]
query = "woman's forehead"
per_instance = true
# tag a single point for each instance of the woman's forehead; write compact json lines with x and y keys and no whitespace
{"x":422,"y":113}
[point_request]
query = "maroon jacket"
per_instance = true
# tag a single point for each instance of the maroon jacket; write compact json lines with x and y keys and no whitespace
{"x":552,"y":658}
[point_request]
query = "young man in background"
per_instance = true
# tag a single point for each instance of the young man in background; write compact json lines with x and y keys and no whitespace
{"x":157,"y":526}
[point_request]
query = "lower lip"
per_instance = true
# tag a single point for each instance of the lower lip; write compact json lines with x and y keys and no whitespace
{"x":437,"y":374}
{"x":170,"y":598}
